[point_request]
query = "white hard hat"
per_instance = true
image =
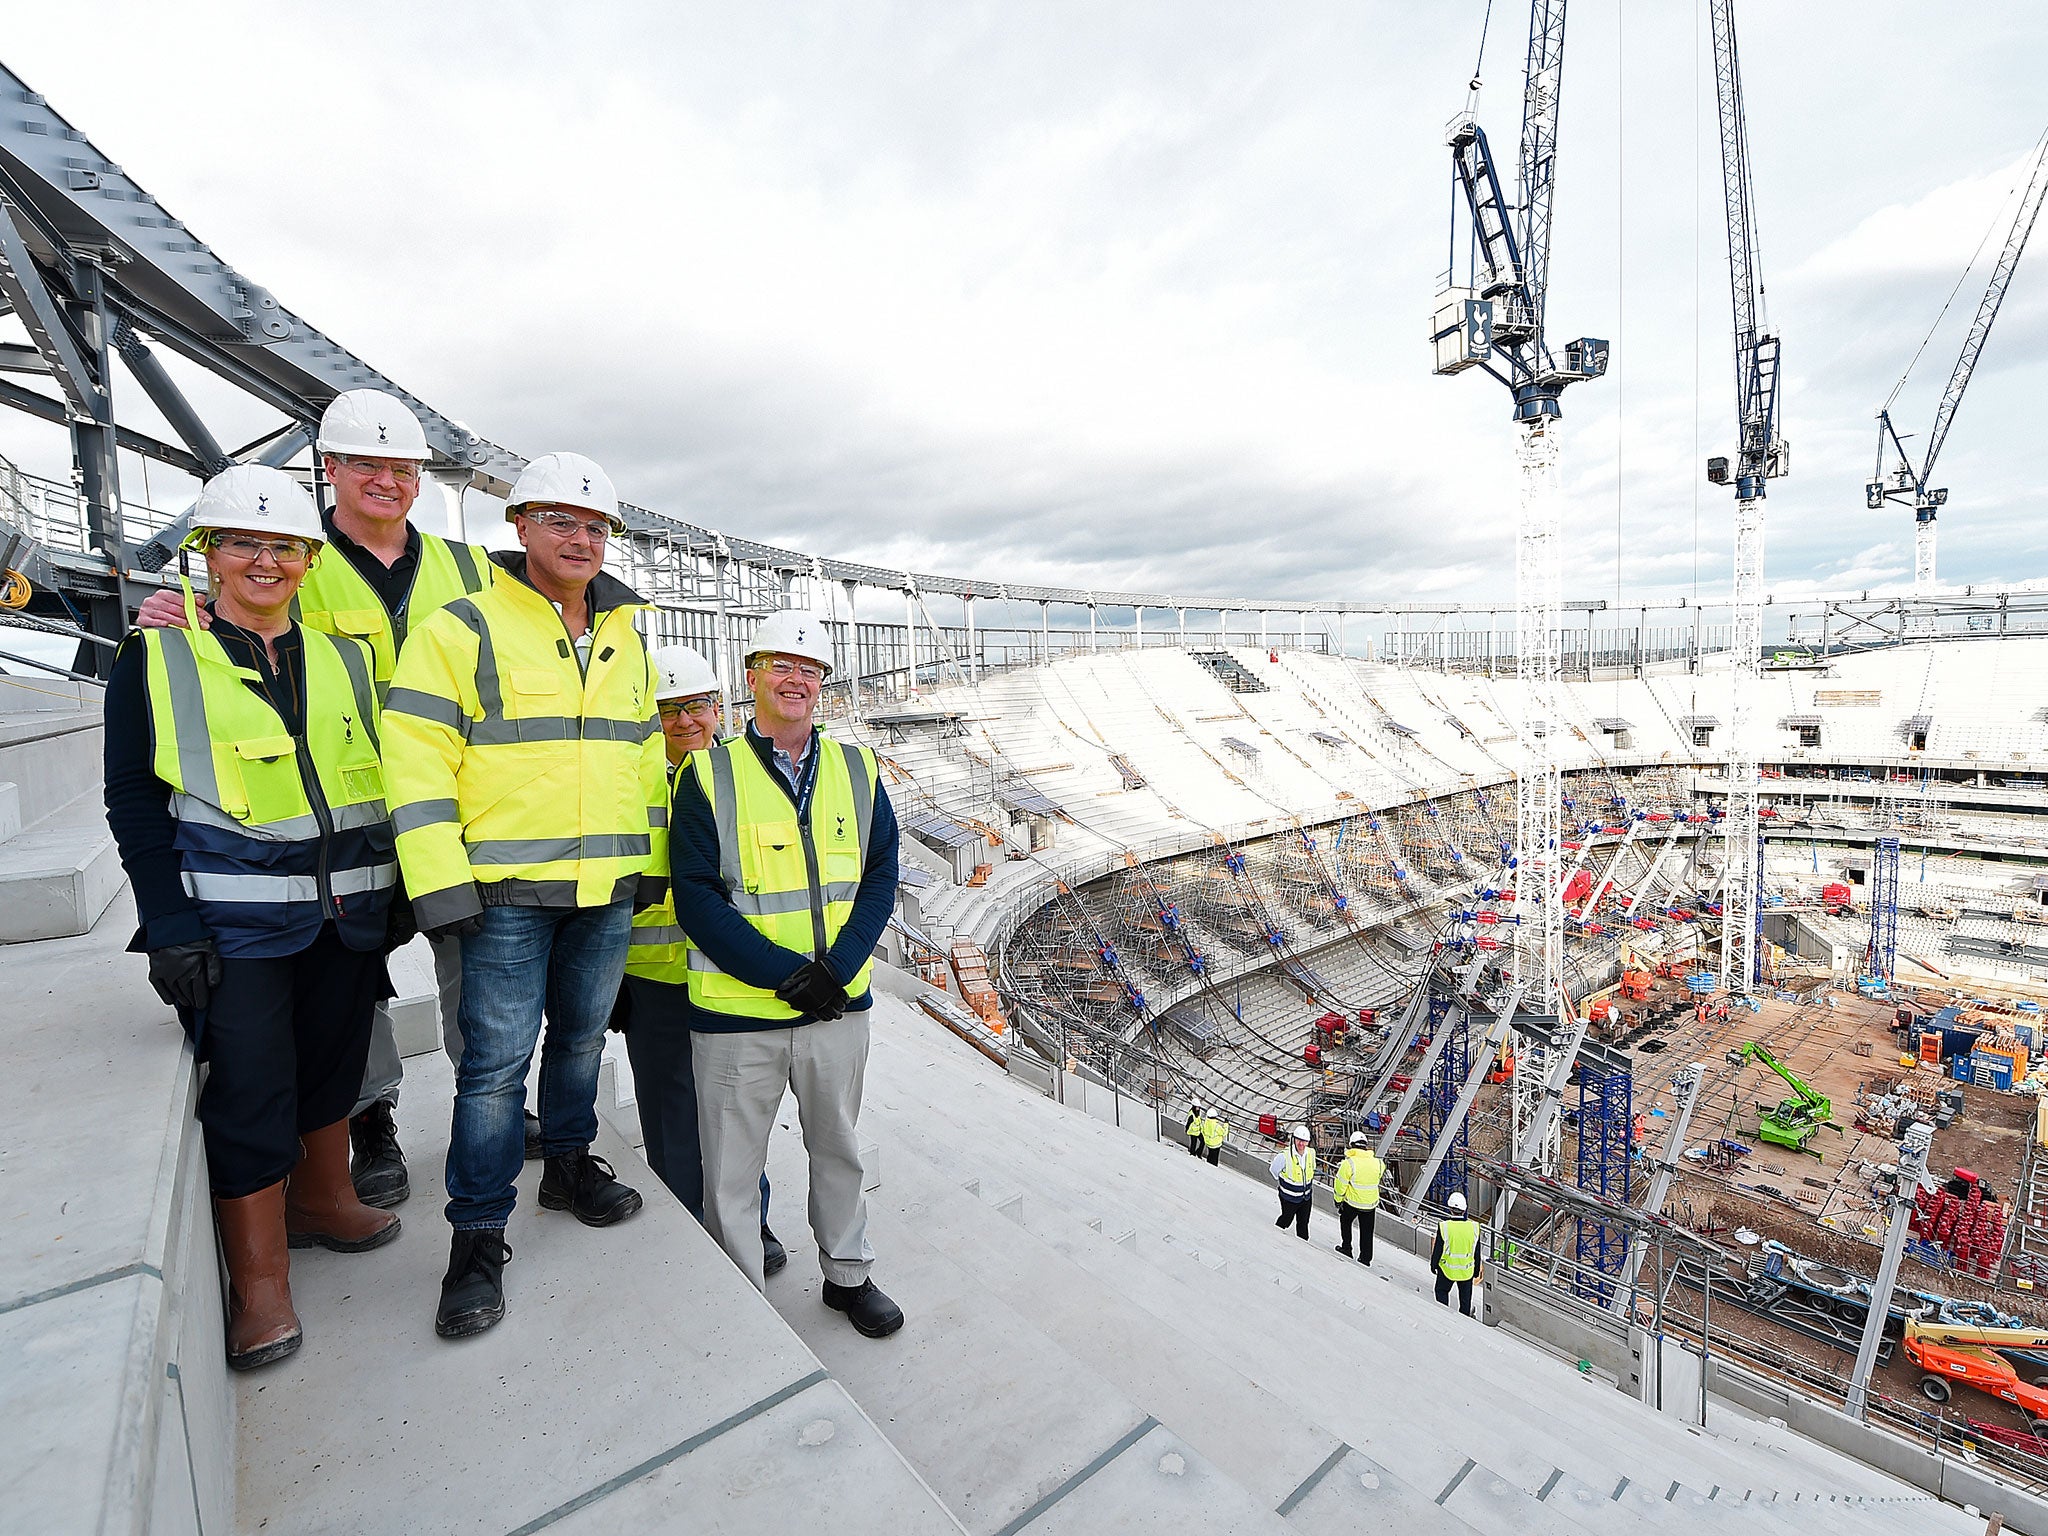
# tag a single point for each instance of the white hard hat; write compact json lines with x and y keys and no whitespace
{"x":567,"y":480}
{"x":1301,"y":1133}
{"x":1457,"y":1201}
{"x":681,"y":673}
{"x":257,"y":499}
{"x":1360,"y":1139}
{"x":793,"y":632}
{"x":374,"y":424}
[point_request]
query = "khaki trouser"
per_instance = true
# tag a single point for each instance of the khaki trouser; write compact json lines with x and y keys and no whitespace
{"x":740,"y":1082}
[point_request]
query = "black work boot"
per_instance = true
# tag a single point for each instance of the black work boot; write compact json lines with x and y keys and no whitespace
{"x":866,"y":1307}
{"x":774,"y":1257}
{"x":587,"y":1189}
{"x":376,"y":1166}
{"x":473,"y":1290}
{"x":532,"y":1137}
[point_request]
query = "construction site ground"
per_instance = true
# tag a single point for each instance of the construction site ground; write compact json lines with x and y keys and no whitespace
{"x":1819,"y":1206}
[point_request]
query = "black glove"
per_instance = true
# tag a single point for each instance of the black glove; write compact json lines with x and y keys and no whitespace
{"x":622,"y":1012}
{"x":399,"y":927}
{"x":185,"y":975}
{"x":462,"y":928}
{"x":813,"y":989}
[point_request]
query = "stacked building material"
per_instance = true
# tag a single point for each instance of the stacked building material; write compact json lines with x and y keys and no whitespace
{"x":1960,"y":1221}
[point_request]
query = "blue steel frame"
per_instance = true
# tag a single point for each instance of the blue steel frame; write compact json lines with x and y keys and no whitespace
{"x":1606,"y":1126}
{"x":1883,"y":954}
{"x":1446,"y":1080}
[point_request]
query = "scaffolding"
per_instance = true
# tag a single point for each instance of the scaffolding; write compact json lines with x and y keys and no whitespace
{"x":1882,"y":955}
{"x":1606,"y":1128}
{"x":1446,"y":1079}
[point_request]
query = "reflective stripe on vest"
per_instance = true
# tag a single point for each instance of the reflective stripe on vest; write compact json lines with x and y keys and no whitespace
{"x":655,"y":951}
{"x":793,"y":878}
{"x":1298,"y":1177}
{"x":1358,"y":1179}
{"x":336,"y":599}
{"x":276,"y":834}
{"x":1461,"y":1249}
{"x":518,"y":775}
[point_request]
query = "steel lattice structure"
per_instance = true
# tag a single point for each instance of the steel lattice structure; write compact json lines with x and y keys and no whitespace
{"x":1760,"y":455}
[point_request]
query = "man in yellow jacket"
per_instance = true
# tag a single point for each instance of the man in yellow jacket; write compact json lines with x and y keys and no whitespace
{"x":1358,"y":1195}
{"x":1214,"y":1129}
{"x":528,"y":792}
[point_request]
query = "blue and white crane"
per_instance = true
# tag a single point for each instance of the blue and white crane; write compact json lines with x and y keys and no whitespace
{"x":1908,"y":483}
{"x":1760,"y":455}
{"x":1494,"y":321}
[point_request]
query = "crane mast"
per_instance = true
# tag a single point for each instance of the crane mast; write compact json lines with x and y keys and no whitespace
{"x":1495,"y":321}
{"x":1760,"y":455}
{"x":1907,"y":483}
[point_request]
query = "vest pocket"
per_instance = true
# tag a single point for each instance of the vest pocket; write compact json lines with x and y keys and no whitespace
{"x":270,"y":778}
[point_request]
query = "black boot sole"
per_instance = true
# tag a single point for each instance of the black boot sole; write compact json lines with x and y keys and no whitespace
{"x":629,"y":1206}
{"x":384,"y":1197}
{"x":269,"y":1354}
{"x":335,"y":1244}
{"x":865,"y":1329}
{"x":465,"y":1325}
{"x":774,"y":1263}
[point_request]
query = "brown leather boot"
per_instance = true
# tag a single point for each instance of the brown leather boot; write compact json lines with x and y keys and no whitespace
{"x":321,"y":1207}
{"x":262,"y":1326}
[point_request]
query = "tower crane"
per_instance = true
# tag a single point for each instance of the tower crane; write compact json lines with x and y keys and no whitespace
{"x":1494,"y":321}
{"x":1760,"y":455}
{"x":1907,"y":483}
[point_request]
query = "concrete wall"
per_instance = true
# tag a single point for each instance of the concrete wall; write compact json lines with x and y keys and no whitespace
{"x":1956,"y":1481}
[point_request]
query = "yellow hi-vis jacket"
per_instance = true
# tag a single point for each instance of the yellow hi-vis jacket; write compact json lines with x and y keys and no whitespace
{"x":1296,"y":1176}
{"x":516,"y":778}
{"x":1461,"y":1249}
{"x":1214,"y":1130}
{"x":1194,"y":1124}
{"x":658,"y":949}
{"x":1358,"y":1179}
{"x":276,"y":834}
{"x":336,"y":600}
{"x":793,"y":879}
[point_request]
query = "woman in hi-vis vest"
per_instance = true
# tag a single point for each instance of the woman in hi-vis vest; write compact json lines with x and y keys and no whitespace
{"x":245,"y":791}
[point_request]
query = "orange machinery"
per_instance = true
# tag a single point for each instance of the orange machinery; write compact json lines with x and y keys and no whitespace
{"x":1952,"y":1352}
{"x":1635,"y":986}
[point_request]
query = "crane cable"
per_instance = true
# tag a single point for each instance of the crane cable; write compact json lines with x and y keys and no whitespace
{"x":1996,"y":223}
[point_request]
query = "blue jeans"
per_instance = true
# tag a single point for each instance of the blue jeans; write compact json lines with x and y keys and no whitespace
{"x":566,"y":961}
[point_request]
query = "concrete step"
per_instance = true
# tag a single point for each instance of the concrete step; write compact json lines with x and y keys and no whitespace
{"x":1011,"y":1429}
{"x":50,"y":736}
{"x":10,"y":810}
{"x":1420,"y":1321}
{"x":637,"y":1383}
{"x":58,"y":875}
{"x":1055,"y":1177}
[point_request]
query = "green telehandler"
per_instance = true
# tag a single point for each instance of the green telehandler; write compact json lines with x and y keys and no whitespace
{"x":1790,"y":1122}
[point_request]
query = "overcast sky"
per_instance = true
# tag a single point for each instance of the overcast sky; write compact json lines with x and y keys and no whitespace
{"x":1111,"y":295}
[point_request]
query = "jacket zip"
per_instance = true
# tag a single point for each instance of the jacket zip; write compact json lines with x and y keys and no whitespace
{"x":803,"y":831}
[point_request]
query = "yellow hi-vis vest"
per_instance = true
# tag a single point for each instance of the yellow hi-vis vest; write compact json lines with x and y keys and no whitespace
{"x":1194,"y":1124}
{"x":276,"y":833}
{"x":1298,"y":1174}
{"x":336,"y":600}
{"x":1358,"y":1179}
{"x":516,"y":778}
{"x":1213,"y":1131}
{"x":793,"y":878}
{"x":658,"y":947}
{"x":1461,"y":1249}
